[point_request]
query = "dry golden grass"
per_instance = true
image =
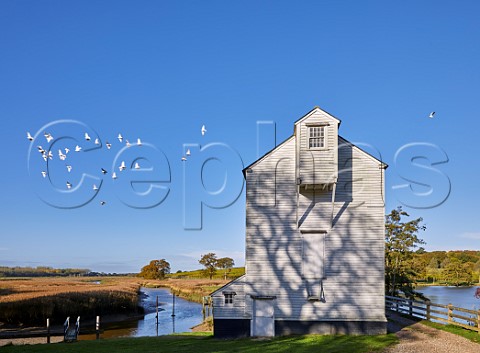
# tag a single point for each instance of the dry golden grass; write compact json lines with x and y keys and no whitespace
{"x":31,"y":301}
{"x":12,"y":290}
{"x":190,"y":289}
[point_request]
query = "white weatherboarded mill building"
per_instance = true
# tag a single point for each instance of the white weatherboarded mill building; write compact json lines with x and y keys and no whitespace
{"x":314,"y":240}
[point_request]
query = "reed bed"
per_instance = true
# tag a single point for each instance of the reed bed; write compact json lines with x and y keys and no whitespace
{"x":31,"y":301}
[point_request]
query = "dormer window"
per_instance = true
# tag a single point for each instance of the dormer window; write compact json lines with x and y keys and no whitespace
{"x":316,"y":137}
{"x":229,"y":297}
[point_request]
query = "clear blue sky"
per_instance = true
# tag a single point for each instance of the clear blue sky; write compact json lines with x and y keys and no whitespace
{"x":159,"y":70}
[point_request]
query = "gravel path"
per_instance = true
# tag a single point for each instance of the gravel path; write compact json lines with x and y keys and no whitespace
{"x":417,"y":338}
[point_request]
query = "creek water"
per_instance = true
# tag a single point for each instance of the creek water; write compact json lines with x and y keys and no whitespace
{"x":187,"y":314}
{"x":463,"y":297}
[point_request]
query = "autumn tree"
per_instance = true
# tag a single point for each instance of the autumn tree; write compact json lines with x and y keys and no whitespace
{"x":455,"y":272}
{"x":401,"y":240}
{"x":156,"y":269}
{"x":210,"y":262}
{"x":225,"y":264}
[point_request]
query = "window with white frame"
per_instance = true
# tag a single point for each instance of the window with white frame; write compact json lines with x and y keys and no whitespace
{"x":316,"y":137}
{"x":229,"y":297}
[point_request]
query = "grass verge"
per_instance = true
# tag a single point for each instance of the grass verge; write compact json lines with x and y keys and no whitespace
{"x":473,"y":336}
{"x":200,"y":343}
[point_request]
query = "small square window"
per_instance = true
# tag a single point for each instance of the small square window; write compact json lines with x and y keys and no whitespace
{"x":316,"y":137}
{"x":229,"y":298}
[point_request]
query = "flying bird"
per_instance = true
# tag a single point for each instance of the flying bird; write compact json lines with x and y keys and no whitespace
{"x":40,"y":149}
{"x":102,"y":203}
{"x":122,"y":166}
{"x":204,"y":130}
{"x":127,"y":143}
{"x":108,"y":144}
{"x":78,"y":148}
{"x":87,"y":137}
{"x":120,"y":137}
{"x":104,"y":171}
{"x":139,"y":142}
{"x":44,"y":173}
{"x":48,"y":136}
{"x":95,"y":187}
{"x":69,"y":168}
{"x":67,"y":150}
{"x":61,"y":155}
{"x":97,"y":141}
{"x":184,"y":159}
{"x":137,"y":166}
{"x":29,"y":137}
{"x":431,"y":115}
{"x":49,"y":154}
{"x":114,"y":175}
{"x":188,"y":152}
{"x":69,"y":186}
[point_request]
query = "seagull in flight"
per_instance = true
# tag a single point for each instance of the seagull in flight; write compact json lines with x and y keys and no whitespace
{"x":120,"y":137}
{"x":184,"y":159}
{"x":104,"y":171}
{"x":61,"y":155}
{"x":78,"y":148}
{"x":44,"y":173}
{"x":87,"y":137}
{"x":139,"y":142}
{"x":127,"y":143}
{"x":188,"y":152}
{"x":108,"y":144}
{"x":114,"y":175}
{"x":40,"y":149}
{"x":97,"y":141}
{"x":95,"y":187}
{"x":29,"y":137}
{"x":122,"y":166}
{"x":204,"y":130}
{"x":69,"y":186}
{"x":431,"y":115}
{"x":48,"y":136}
{"x":137,"y":166}
{"x":67,"y":150}
{"x":102,"y":203}
{"x":69,"y":168}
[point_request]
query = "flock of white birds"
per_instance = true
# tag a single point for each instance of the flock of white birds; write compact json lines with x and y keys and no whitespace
{"x":62,"y":154}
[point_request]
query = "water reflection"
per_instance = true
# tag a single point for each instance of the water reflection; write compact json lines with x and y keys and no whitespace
{"x":187,"y":315}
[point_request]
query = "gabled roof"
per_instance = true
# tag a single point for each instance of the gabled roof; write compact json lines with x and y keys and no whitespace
{"x":226,"y":285}
{"x":383,"y":164}
{"x":314,"y":110}
{"x":267,"y":154}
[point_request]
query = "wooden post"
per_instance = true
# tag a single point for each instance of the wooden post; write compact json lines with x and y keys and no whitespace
{"x":156,"y":317}
{"x":173,"y":309}
{"x":478,"y":321}
{"x":97,"y":328}
{"x":428,"y":310}
{"x":450,"y":312}
{"x":48,"y":330}
{"x":410,"y":307}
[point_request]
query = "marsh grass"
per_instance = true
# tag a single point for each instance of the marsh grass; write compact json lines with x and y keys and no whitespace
{"x":31,"y":302}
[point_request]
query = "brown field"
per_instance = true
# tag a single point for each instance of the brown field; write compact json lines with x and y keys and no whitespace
{"x":190,"y":289}
{"x":31,"y":301}
{"x":12,"y":290}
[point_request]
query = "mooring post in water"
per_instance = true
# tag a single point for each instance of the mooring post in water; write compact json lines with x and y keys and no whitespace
{"x":173,"y":309}
{"x":97,"y":327}
{"x":157,"y":315}
{"x":48,"y":330}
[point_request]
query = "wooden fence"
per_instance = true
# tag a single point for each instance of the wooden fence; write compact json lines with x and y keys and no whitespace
{"x":447,"y":314}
